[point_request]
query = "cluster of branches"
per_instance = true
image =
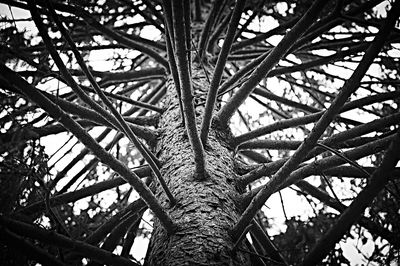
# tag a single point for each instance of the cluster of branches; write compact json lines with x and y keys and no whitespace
{"x":243,"y":62}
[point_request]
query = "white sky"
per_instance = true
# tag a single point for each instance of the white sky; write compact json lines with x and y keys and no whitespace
{"x":274,"y":208}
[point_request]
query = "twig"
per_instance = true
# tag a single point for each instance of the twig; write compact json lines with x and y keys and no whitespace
{"x":353,"y":163}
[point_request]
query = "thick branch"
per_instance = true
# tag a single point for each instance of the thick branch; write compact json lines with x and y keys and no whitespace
{"x":350,"y":86}
{"x":8,"y":75}
{"x":151,"y":160}
{"x":56,"y":239}
{"x":353,"y":213}
{"x":219,"y":68}
{"x":186,"y":88}
{"x":268,"y":63}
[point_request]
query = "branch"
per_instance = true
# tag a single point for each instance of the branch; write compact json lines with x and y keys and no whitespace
{"x":293,"y":122}
{"x":268,"y":63}
{"x":8,"y":75}
{"x":68,"y":197}
{"x":266,"y":243}
{"x":376,"y":183}
{"x":324,"y":197}
{"x":56,"y":239}
{"x":169,"y":37}
{"x":219,"y":68}
{"x":321,"y":165}
{"x":217,"y":32}
{"x":350,"y":86}
{"x":133,"y":208}
{"x":128,"y":42}
{"x":128,"y":100}
{"x":75,"y":160}
{"x":266,"y":35}
{"x":341,"y":137}
{"x":256,"y":11}
{"x":133,"y":75}
{"x":150,"y":158}
{"x":90,"y":165}
{"x":186,"y":87}
{"x":207,"y":29}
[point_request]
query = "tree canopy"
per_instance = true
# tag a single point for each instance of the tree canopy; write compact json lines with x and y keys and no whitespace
{"x":302,"y":95}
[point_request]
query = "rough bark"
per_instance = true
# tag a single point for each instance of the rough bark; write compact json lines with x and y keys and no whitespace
{"x":205,"y":210}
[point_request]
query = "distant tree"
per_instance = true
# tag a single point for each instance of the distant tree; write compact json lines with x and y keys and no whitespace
{"x":206,"y":109}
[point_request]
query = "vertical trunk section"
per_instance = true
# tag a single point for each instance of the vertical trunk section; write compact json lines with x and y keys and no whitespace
{"x":205,"y":210}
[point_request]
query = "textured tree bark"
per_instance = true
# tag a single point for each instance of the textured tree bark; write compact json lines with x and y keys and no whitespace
{"x":206,"y":210}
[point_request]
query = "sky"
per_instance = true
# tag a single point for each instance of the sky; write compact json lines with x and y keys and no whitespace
{"x":273,"y":205}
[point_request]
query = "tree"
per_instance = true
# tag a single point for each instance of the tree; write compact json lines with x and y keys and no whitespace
{"x":206,"y":110}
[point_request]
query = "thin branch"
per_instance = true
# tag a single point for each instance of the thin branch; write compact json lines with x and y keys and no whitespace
{"x":197,"y":10}
{"x":353,"y":163}
{"x":129,"y":100}
{"x":207,"y":29}
{"x":341,"y":137}
{"x":101,"y":232}
{"x":17,"y":243}
{"x":129,"y":42}
{"x":56,"y":239}
{"x":255,"y":12}
{"x":292,"y":122}
{"x":89,"y":166}
{"x":72,"y":196}
{"x":266,"y":35}
{"x":186,"y":87}
{"x":75,"y":160}
{"x":188,"y":32}
{"x":219,"y":68}
{"x":316,"y":167}
{"x":133,"y":231}
{"x":151,"y":160}
{"x":324,"y":197}
{"x":108,"y":78}
{"x":8,"y":76}
{"x":266,"y":243}
{"x":217,"y":32}
{"x":169,"y":37}
{"x":268,"y":63}
{"x":350,"y":86}
{"x":377,"y":182}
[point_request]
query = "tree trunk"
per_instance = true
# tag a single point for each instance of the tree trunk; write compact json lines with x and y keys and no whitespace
{"x":206,"y":210}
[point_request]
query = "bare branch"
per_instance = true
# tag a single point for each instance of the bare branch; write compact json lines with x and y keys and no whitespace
{"x":151,"y":159}
{"x":353,"y":213}
{"x":186,"y":87}
{"x":56,"y":239}
{"x":219,"y":68}
{"x":268,"y":63}
{"x":207,"y":28}
{"x":350,"y":86}
{"x":8,"y":75}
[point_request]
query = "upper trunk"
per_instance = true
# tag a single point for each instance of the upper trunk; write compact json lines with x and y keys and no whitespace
{"x":205,"y":210}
